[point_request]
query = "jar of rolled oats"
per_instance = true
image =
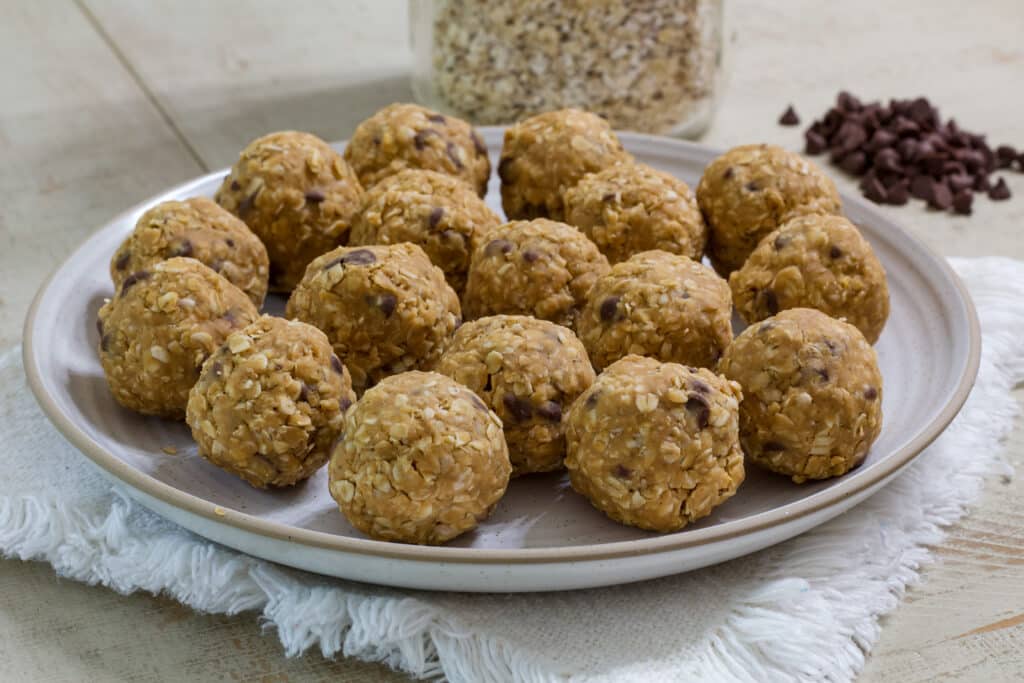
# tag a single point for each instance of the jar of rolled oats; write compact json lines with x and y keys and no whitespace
{"x":647,"y":65}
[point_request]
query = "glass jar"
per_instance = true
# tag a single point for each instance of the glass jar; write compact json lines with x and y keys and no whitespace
{"x":647,"y":65}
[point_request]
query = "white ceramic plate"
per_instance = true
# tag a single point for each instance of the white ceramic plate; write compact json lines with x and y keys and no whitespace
{"x":542,"y":535}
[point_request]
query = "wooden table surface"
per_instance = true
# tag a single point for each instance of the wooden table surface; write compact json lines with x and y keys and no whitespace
{"x":105,"y":103}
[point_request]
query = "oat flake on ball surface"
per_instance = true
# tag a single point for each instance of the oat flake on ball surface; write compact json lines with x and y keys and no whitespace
{"x":812,"y":394}
{"x":655,"y":445}
{"x":269,"y":403}
{"x":422,"y":460}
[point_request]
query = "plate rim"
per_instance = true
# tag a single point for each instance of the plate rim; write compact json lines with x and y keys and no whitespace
{"x":776,"y":517}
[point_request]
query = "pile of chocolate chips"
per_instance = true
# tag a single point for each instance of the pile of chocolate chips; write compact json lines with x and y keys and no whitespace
{"x":904,"y":150}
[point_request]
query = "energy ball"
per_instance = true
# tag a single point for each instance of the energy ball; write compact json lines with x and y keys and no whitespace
{"x":819,"y":262}
{"x":422,"y":460}
{"x":527,"y":371}
{"x":297,"y":194}
{"x":750,"y":191}
{"x":270,"y":403}
{"x":655,"y":445}
{"x":197,"y":228}
{"x":436,"y":211}
{"x":540,"y":268}
{"x":657,"y":304}
{"x":545,"y":155}
{"x":402,"y":136}
{"x":159,"y":328}
{"x":812,"y":394}
{"x":630,"y":208}
{"x":385,"y":309}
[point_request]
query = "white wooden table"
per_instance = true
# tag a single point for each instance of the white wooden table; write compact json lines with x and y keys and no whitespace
{"x":103,"y":103}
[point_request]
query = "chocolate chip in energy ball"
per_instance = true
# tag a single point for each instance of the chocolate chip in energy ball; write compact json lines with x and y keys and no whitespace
{"x":436,"y":214}
{"x":609,"y":308}
{"x":499,"y":246}
{"x":550,"y":411}
{"x":518,"y":409}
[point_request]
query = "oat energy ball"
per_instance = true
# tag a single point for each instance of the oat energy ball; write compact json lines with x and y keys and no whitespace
{"x":812,"y":394}
{"x":385,"y":309}
{"x":819,"y":262}
{"x":270,"y":402}
{"x":750,"y":191}
{"x":630,"y":208}
{"x":436,"y":211}
{"x":297,"y":194}
{"x":197,"y":228}
{"x":539,"y":268}
{"x":159,"y":328}
{"x":545,"y":155}
{"x":661,"y":305}
{"x":655,"y":445}
{"x":527,"y":371}
{"x":402,"y":136}
{"x":422,"y":460}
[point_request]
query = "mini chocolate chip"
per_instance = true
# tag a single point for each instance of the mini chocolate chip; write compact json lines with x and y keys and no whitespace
{"x":376,"y":140}
{"x":230,"y":242}
{"x":504,"y":169}
{"x":815,"y":143}
{"x":753,"y":186}
{"x":475,"y":400}
{"x":834,"y":252}
{"x":874,"y":190}
{"x":99,"y":326}
{"x":921,"y":187}
{"x":698,"y":405}
{"x":518,"y":409}
{"x":182,"y":248}
{"x":769,"y":300}
{"x":453,"y":154}
{"x":478,"y":144}
{"x":822,"y":373}
{"x":942,"y":197}
{"x":623,"y":472}
{"x":315,"y":196}
{"x":531,"y":255}
{"x":305,"y":392}
{"x":122,"y":260}
{"x":245,"y":206}
{"x":609,"y":308}
{"x":235,"y":187}
{"x":999,"y":191}
{"x":897,"y":195}
{"x":772,"y":446}
{"x":134,"y":278}
{"x":229,"y":315}
{"x":789,"y":117}
{"x":436,"y":118}
{"x":781,"y":241}
{"x":608,"y":197}
{"x":727,"y":175}
{"x":498,"y":246}
{"x":420,"y":139}
{"x":550,"y":410}
{"x":962,"y":202}
{"x":871,"y":393}
{"x":217,"y":265}
{"x":435,"y":217}
{"x":359,"y":257}
{"x":336,"y":364}
{"x":854,"y":163}
{"x":700,"y":387}
{"x":105,"y":342}
{"x":345,"y":403}
{"x":487,"y":384}
{"x":216,"y":368}
{"x":832,"y":347}
{"x":1005,"y":155}
{"x":765,"y":327}
{"x":591,"y":401}
{"x":385,"y":302}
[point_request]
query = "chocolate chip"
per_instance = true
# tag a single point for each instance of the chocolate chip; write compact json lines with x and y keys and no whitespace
{"x":134,"y":278}
{"x":217,"y":265}
{"x":789,"y":117}
{"x":105,"y":342}
{"x":591,"y":401}
{"x":834,"y":252}
{"x":505,"y":169}
{"x":608,"y":197}
{"x":962,"y":202}
{"x":815,"y":143}
{"x":305,"y":392}
{"x":700,"y":386}
{"x":420,"y":139}
{"x":336,"y":364}
{"x":753,"y":186}
{"x":345,"y":403}
{"x":531,"y":255}
{"x":245,"y":206}
{"x":609,"y":309}
{"x":359,"y":257}
{"x":99,"y":326}
{"x":498,"y":246}
{"x":898,"y":194}
{"x":622,"y":472}
{"x":315,"y":196}
{"x":942,"y":197}
{"x":822,"y":374}
{"x":487,"y":384}
{"x":386,"y":302}
{"x":436,"y":118}
{"x":921,"y":187}
{"x":832,"y":347}
{"x":475,"y":400}
{"x":765,"y":327}
{"x":453,"y":154}
{"x":781,"y":241}
{"x":122,"y":260}
{"x":435,"y":217}
{"x":700,"y":409}
{"x":518,"y":409}
{"x":216,"y":368}
{"x":887,"y":161}
{"x":854,"y":163}
{"x":230,"y":242}
{"x":181,"y":248}
{"x":727,"y":175}
{"x":478,"y":144}
{"x":874,"y":190}
{"x":871,"y":393}
{"x":772,"y":447}
{"x":550,"y":410}
{"x":235,"y":187}
{"x":769,"y":300}
{"x":1000,"y":190}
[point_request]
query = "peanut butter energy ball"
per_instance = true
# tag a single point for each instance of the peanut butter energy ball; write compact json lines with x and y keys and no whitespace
{"x":630,"y":208}
{"x":750,"y":191}
{"x":385,"y":309}
{"x":159,"y":328}
{"x":528,"y":371}
{"x":545,"y":155}
{"x":422,"y":460}
{"x":270,"y":403}
{"x":812,"y":394}
{"x":819,"y":262}
{"x":402,"y":136}
{"x":436,"y":211}
{"x":540,"y":268}
{"x":200,"y":229}
{"x":655,"y":445}
{"x":657,"y":304}
{"x":297,"y":194}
